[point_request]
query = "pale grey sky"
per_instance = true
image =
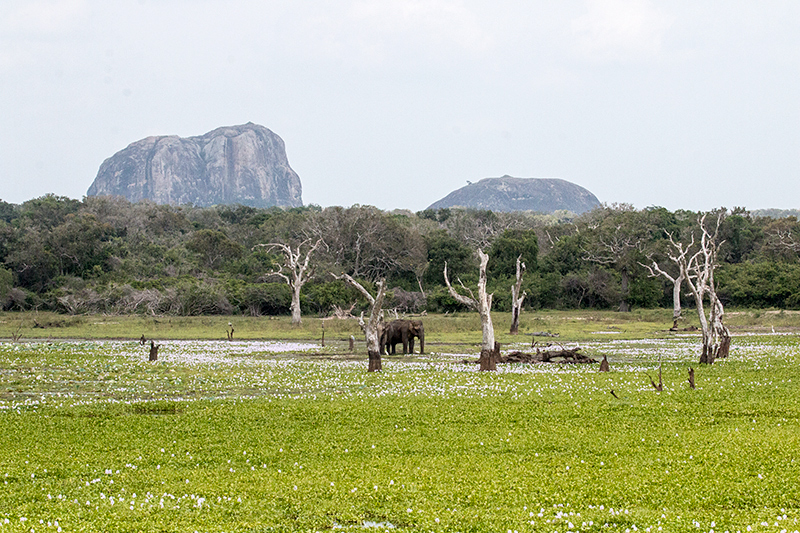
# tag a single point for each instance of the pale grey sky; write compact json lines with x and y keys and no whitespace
{"x":395,"y":103}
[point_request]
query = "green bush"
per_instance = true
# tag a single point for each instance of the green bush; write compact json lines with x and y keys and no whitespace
{"x":6,"y":284}
{"x":647,"y":293}
{"x":761,"y":284}
{"x":203,"y":298}
{"x":266,"y":299}
{"x":319,"y":297}
{"x":440,"y":301}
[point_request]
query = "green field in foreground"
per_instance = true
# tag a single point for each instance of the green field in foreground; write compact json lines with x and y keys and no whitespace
{"x":265,"y":436}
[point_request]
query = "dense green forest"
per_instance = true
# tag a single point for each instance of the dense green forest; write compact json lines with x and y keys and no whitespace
{"x":107,"y":255}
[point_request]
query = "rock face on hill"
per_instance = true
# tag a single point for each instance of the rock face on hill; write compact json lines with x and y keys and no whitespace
{"x":544,"y":195}
{"x":244,"y":164}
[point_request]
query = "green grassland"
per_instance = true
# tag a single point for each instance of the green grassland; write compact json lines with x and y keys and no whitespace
{"x":457,"y":327}
{"x":256,"y":435}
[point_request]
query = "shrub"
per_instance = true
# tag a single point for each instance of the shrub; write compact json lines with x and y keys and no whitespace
{"x":203,"y":298}
{"x":266,"y":299}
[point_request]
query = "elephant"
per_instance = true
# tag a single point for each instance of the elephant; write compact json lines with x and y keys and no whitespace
{"x":403,"y":331}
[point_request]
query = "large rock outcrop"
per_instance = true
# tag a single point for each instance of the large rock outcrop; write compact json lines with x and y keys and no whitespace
{"x":544,"y":195}
{"x":231,"y":165}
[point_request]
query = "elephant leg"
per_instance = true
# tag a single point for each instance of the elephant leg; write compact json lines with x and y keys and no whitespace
{"x":411,"y":344}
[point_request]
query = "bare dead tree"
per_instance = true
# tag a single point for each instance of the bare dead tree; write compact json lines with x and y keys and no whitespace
{"x":783,"y":238}
{"x":516,"y":298}
{"x":698,"y":269}
{"x":677,"y":281}
{"x":298,"y":266}
{"x":341,"y":313}
{"x":482,"y":304}
{"x":372,"y":329}
{"x":717,"y":338}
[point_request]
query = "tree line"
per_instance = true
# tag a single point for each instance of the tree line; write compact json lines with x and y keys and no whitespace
{"x":107,"y":255}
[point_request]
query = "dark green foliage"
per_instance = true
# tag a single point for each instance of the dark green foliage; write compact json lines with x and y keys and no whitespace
{"x":8,"y":212}
{"x":48,"y":211}
{"x":648,"y":292}
{"x":760,"y":284}
{"x":438,"y":215}
{"x":265,"y":299}
{"x":213,"y":248}
{"x":542,"y":289}
{"x":6,"y":284}
{"x":505,"y":249}
{"x":82,"y":243}
{"x":595,"y":288}
{"x":203,"y":298}
{"x":741,"y":236}
{"x":107,"y":255}
{"x":440,"y":301}
{"x":566,"y":255}
{"x":444,"y":248}
{"x":320,"y":296}
{"x":33,"y":263}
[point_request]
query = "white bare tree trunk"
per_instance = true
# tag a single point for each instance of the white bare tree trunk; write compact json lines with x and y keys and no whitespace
{"x":298,"y":267}
{"x":296,"y":319}
{"x":708,"y":338}
{"x":721,"y":332}
{"x":677,"y":283}
{"x":676,"y":299}
{"x":698,"y":271}
{"x":372,"y":328}
{"x":482,"y":304}
{"x":516,"y":299}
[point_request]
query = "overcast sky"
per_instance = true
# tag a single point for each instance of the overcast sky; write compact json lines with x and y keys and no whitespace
{"x":395,"y":103}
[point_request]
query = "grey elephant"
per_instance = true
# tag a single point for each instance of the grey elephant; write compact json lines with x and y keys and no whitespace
{"x":403,"y":331}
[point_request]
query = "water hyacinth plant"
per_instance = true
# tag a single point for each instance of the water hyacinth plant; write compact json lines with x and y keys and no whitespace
{"x":289,"y":436}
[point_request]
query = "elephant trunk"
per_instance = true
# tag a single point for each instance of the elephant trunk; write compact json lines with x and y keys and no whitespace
{"x":421,"y":342}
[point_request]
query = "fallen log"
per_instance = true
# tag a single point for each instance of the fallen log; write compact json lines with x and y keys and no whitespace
{"x":564,"y":355}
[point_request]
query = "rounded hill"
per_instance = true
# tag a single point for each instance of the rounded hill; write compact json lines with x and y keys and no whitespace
{"x":544,"y":195}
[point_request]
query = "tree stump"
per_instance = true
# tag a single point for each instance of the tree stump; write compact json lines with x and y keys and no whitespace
{"x":707,"y":357}
{"x":604,"y":364}
{"x":374,"y":361}
{"x":154,"y":351}
{"x":691,"y":377}
{"x":724,"y":347}
{"x":352,"y":344}
{"x":489,"y":358}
